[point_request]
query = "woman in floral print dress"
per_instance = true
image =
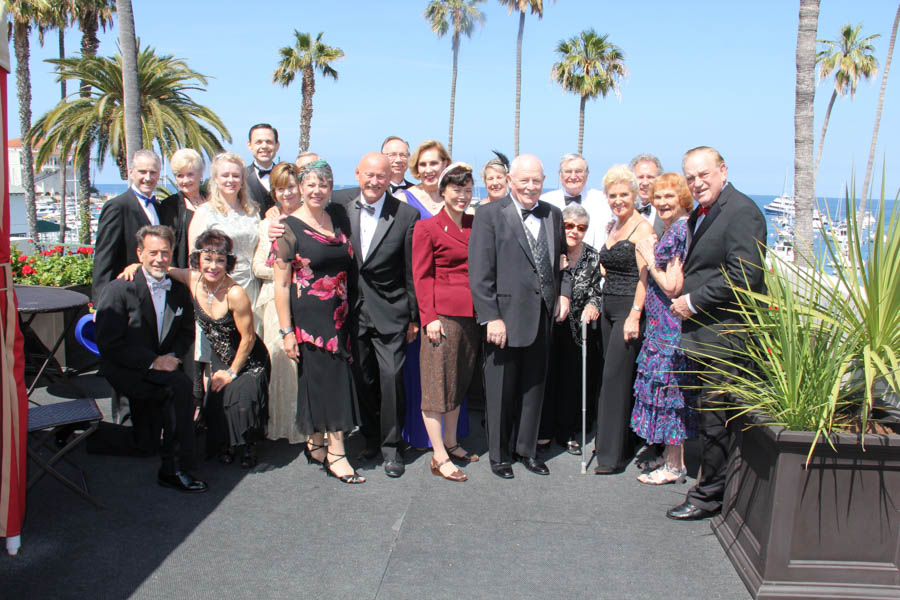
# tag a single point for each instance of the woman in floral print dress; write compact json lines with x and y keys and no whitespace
{"x":313,"y":262}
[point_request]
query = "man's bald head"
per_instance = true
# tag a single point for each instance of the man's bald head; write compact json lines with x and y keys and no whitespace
{"x":373,"y":174}
{"x":526,"y":179}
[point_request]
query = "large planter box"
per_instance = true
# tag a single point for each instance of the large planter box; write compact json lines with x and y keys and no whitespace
{"x":829,"y":530}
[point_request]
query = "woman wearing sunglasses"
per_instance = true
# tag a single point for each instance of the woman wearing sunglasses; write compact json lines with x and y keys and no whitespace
{"x":560,"y":419}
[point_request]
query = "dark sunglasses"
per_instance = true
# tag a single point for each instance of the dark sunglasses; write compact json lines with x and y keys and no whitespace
{"x":579,"y":226}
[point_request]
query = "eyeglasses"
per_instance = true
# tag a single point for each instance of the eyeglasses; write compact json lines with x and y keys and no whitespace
{"x":569,"y":225}
{"x":393,"y":155}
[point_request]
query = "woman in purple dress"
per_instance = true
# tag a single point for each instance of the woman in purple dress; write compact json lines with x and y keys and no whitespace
{"x":426,"y":164}
{"x":663,"y":409}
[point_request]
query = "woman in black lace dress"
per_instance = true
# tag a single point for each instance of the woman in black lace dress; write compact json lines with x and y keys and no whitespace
{"x":561,"y":415}
{"x":620,"y":322}
{"x":237,"y":398}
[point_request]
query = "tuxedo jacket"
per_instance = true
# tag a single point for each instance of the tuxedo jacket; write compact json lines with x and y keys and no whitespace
{"x":384,"y":286}
{"x":116,"y":246}
{"x":502,"y":273}
{"x":126,"y":328}
{"x":441,"y":267}
{"x":727,"y":242}
{"x":258,"y":192}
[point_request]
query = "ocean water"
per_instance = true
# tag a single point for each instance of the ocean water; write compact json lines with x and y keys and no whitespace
{"x":833,"y":206}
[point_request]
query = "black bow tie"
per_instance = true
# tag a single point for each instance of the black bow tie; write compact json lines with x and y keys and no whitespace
{"x":366,"y":207}
{"x":644,"y":210}
{"x":535,"y":211}
{"x":262,"y":172}
{"x":576,"y":198}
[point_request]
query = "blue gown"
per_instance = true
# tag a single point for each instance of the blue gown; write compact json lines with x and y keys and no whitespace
{"x":413,"y":425}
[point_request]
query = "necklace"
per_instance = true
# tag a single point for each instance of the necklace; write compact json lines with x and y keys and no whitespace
{"x":210,"y":296}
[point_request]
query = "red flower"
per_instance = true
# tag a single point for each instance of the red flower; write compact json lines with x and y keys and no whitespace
{"x":302,"y":272}
{"x":305,"y":337}
{"x":324,"y":287}
{"x":85,"y":250}
{"x":23,"y":258}
{"x":340,"y":314}
{"x":27,"y":270}
{"x":332,"y":345}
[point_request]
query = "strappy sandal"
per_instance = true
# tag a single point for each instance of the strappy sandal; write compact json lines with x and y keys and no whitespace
{"x":664,"y":475}
{"x":248,"y":457}
{"x":465,"y":458}
{"x":309,"y":448}
{"x":456,"y":475}
{"x":352,"y":478}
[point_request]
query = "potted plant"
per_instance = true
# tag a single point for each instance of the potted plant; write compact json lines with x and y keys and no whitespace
{"x":813,"y":486}
{"x":59,"y":267}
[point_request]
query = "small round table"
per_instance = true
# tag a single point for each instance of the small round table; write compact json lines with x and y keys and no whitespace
{"x":34,"y":300}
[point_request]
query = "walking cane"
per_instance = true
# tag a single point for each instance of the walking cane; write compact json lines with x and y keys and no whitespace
{"x":583,"y":396}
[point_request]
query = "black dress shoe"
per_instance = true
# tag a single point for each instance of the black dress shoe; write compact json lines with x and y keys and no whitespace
{"x":502,"y":469}
{"x":688,"y":512}
{"x":535,"y":465}
{"x":181,"y":481}
{"x":394,"y":468}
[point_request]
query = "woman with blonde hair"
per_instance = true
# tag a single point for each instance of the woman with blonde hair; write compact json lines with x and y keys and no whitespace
{"x":187,"y":167}
{"x":230,"y":210}
{"x":624,"y":290}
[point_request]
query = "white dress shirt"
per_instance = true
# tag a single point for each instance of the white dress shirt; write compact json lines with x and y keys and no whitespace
{"x":264,"y":180}
{"x":368,"y":223}
{"x":159,"y":301}
{"x":149,"y":208}
{"x":531,"y":222}
{"x":594,"y":202}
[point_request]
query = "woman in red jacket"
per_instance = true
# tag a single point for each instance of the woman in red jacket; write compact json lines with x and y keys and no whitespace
{"x":450,"y":335}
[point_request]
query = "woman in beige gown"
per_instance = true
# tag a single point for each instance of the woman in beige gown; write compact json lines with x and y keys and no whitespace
{"x":283,"y":381}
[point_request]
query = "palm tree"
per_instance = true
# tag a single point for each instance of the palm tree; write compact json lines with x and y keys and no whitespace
{"x":128,"y":46}
{"x":849,"y":58}
{"x":91,"y":16}
{"x":588,"y":66}
{"x":170,"y":118}
{"x":537,"y":8}
{"x":804,"y":176}
{"x":462,"y":16}
{"x":23,"y":14}
{"x":307,"y":56}
{"x":884,"y":76}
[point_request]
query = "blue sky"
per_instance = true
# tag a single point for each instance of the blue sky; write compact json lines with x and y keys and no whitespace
{"x":714,"y":73}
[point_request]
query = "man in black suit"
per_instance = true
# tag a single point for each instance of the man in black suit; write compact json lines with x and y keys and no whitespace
{"x":517,"y":287}
{"x":122,"y":216}
{"x":725,"y":232}
{"x":385,"y":311}
{"x":262,"y":141}
{"x":646,"y":167}
{"x":142,"y":326}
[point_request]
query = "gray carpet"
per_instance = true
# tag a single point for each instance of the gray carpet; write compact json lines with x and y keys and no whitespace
{"x":285,"y":530}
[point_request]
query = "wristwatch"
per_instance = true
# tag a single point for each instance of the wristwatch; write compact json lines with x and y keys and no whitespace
{"x":284,"y":332}
{"x":230,"y":372}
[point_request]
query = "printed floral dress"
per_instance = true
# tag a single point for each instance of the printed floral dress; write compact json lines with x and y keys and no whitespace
{"x":663,"y":408}
{"x":320,"y":265}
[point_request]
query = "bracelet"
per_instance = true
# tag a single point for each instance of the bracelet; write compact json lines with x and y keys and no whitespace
{"x":284,"y":332}
{"x":230,"y":372}
{"x":636,"y":307}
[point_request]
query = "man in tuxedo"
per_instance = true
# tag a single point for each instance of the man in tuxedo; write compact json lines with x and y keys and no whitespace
{"x":725,"y":234}
{"x":262,"y":141}
{"x":142,"y":326}
{"x":647,"y":168}
{"x":122,"y":216}
{"x":397,"y":151}
{"x":385,"y":311}
{"x":573,"y":174}
{"x":518,"y":288}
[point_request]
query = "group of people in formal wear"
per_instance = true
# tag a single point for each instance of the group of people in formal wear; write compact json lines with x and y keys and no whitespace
{"x":272,"y":306}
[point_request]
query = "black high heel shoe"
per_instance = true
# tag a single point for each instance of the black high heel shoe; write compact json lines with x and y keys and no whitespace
{"x":309,"y":448}
{"x":248,"y":457}
{"x":352,"y":478}
{"x":226,"y":455}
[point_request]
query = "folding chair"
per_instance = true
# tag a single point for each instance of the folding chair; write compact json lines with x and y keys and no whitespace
{"x":84,"y":333}
{"x":43,"y":421}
